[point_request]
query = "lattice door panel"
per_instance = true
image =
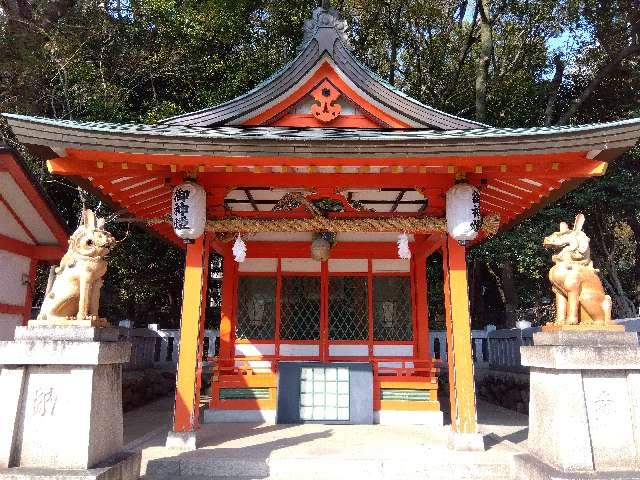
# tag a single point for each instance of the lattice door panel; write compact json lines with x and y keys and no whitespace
{"x":392,"y":309}
{"x":256,"y":317}
{"x":348,"y":308}
{"x":300,"y":308}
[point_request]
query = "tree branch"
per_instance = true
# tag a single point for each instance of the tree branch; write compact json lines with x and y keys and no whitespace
{"x":627,"y":52}
{"x":550,"y":110}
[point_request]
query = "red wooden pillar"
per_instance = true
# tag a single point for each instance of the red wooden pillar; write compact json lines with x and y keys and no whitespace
{"x":227,"y":308}
{"x":189,"y":371}
{"x":464,"y":423}
{"x":422,"y":310}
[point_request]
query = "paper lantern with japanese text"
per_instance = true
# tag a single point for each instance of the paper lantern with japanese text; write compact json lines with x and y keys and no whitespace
{"x":189,"y":210}
{"x":463,"y":212}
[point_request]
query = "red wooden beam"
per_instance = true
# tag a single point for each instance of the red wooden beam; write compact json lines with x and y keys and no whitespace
{"x":138,"y":161}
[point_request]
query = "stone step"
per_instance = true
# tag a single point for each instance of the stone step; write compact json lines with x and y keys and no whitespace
{"x":324,"y":468}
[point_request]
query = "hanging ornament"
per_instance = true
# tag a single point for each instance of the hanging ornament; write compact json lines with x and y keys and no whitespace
{"x":239,"y":250}
{"x":463,"y":212}
{"x":188,"y":211}
{"x":403,"y":246}
{"x":321,"y":246}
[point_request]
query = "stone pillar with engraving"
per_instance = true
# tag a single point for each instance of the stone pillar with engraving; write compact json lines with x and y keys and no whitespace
{"x":61,"y":404}
{"x":584,"y":411}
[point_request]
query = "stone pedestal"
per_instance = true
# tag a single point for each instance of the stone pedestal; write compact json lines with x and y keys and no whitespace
{"x":61,"y":404}
{"x":584,"y":410}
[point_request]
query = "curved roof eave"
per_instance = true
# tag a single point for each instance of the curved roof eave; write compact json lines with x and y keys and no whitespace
{"x":318,"y":142}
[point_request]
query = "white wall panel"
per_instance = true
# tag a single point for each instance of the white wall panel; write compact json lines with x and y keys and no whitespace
{"x":255,"y":349}
{"x":12,"y":268}
{"x":259,"y":265}
{"x":9,"y":226}
{"x":348,"y":350}
{"x":348,"y":265}
{"x":8,"y":324}
{"x":396,"y":265}
{"x":393,"y":350}
{"x":29,"y":216}
{"x":299,"y":350}
{"x":303,"y":265}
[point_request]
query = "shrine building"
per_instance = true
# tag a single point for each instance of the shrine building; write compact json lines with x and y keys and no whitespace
{"x":31,"y":231}
{"x":326,"y":191}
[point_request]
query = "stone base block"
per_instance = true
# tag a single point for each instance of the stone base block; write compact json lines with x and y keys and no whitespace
{"x":466,"y":442}
{"x":528,"y":467}
{"x":61,"y":399}
{"x":240,"y":416}
{"x":67,"y":333}
{"x":551,"y":327}
{"x":405,"y":417}
{"x":90,"y":322}
{"x":584,"y":408}
{"x":123,"y":467}
{"x":181,"y":440}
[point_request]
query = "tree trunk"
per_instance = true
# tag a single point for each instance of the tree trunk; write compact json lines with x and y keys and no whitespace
{"x":499,"y":285}
{"x":633,"y":222}
{"x":627,"y":52}
{"x":623,"y":306}
{"x":511,"y":298}
{"x":550,"y":111}
{"x":482,"y":68}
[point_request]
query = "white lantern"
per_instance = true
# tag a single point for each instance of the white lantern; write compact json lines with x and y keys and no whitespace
{"x":189,"y":210}
{"x":463,"y":212}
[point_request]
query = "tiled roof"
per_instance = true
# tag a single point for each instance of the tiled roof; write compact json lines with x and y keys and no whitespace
{"x":313,"y":134}
{"x":324,"y":38}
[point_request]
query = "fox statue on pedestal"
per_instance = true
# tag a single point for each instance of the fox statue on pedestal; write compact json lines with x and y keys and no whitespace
{"x":580,"y":297}
{"x":75,"y":294}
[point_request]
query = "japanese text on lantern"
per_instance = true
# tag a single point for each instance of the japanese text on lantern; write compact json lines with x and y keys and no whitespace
{"x":180,"y":208}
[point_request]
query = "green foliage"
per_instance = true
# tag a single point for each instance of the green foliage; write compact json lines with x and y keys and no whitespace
{"x":145,"y":60}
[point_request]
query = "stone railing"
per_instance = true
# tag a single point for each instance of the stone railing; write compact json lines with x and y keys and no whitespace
{"x":438,"y":346}
{"x":504,"y":347}
{"x":156,"y":348}
{"x":496,"y":349}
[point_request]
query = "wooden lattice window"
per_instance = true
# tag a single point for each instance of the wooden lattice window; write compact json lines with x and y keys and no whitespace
{"x":348,"y":308}
{"x":300,"y":308}
{"x":392,"y":309}
{"x":256,"y":318}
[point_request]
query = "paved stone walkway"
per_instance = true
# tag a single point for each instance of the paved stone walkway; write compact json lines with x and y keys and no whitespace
{"x":316,"y":452}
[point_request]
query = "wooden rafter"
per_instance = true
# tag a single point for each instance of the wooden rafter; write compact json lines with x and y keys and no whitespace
{"x":252,"y":201}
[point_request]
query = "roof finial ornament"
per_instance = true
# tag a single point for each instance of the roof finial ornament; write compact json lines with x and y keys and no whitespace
{"x":325,"y":25}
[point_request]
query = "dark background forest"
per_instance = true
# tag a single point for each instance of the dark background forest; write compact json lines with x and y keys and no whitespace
{"x":507,"y":63}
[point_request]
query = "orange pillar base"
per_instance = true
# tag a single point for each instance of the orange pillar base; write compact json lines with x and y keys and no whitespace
{"x":187,"y":400}
{"x":464,"y":435}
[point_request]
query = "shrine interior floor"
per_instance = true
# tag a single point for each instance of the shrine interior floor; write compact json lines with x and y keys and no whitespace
{"x":371,"y":452}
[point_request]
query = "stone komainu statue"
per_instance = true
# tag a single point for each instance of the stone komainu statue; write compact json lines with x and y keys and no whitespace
{"x":75,"y":294}
{"x":580,"y":298}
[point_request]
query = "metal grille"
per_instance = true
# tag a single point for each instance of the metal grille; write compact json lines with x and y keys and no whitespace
{"x":392,"y":309}
{"x":348,"y":308}
{"x":256,"y":308}
{"x":300,"y":308}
